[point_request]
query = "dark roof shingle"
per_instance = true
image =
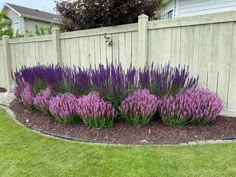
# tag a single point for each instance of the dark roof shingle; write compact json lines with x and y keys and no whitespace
{"x":27,"y":12}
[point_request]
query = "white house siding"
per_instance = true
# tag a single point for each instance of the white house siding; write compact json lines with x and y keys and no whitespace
{"x":168,"y":7}
{"x":200,"y":7}
{"x":30,"y":25}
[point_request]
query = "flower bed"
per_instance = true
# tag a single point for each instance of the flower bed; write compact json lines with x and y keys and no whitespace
{"x":99,"y":96}
{"x":121,"y":132}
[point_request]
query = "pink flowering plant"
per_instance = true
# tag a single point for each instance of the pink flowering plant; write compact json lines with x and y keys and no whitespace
{"x":95,"y":112}
{"x":41,"y":101}
{"x":63,"y":108}
{"x":28,"y":97}
{"x":17,"y":91}
{"x":195,"y":106}
{"x":139,"y":107}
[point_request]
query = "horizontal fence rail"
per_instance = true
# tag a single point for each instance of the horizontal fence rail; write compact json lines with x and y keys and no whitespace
{"x":207,"y":44}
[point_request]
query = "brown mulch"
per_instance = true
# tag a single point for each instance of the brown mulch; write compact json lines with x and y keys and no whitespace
{"x":122,"y":133}
{"x":3,"y":90}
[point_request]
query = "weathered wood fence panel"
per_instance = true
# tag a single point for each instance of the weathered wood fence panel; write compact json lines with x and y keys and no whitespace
{"x":2,"y":68}
{"x":207,"y":44}
{"x":31,"y":53}
{"x":94,"y":47}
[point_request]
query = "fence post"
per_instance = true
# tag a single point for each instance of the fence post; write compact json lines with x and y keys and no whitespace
{"x":7,"y":63}
{"x":142,"y":40}
{"x":56,"y":45}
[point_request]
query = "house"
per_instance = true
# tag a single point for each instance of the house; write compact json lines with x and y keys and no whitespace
{"x":24,"y":20}
{"x":183,"y":8}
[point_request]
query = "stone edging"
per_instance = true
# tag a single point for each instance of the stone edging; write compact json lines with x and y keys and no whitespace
{"x":66,"y":138}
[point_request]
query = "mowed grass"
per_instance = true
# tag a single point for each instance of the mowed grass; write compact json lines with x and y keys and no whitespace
{"x":24,"y":153}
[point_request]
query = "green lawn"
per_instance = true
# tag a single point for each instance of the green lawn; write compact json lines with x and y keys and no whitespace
{"x":24,"y":153}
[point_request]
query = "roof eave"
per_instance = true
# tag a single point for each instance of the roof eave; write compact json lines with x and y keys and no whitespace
{"x":30,"y":17}
{"x":7,"y":5}
{"x":41,"y":19}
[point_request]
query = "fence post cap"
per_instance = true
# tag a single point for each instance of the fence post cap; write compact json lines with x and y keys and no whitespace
{"x":55,"y":29}
{"x":5,"y":37}
{"x":143,"y":16}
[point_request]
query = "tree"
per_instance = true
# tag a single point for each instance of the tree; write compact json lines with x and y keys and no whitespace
{"x":86,"y":14}
{"x":4,"y":27}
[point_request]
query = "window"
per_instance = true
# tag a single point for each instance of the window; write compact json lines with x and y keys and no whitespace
{"x":170,"y":14}
{"x":16,"y":26}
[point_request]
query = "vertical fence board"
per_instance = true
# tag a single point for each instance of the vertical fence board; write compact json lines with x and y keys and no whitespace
{"x":166,"y":57}
{"x":152,"y":47}
{"x":175,"y":49}
{"x":75,"y":54}
{"x":103,"y":49}
{"x":36,"y":53}
{"x":128,"y":48}
{"x":231,"y":100}
{"x":2,"y":69}
{"x":184,"y":46}
{"x":82,"y":53}
{"x":12,"y":51}
{"x":22,"y":60}
{"x":193,"y":49}
{"x":204,"y":53}
{"x":115,"y":48}
{"x":159,"y":45}
{"x":109,"y":48}
{"x":122,"y":56}
{"x":224,"y":60}
{"x":91,"y":51}
{"x":97,"y":51}
{"x":134,"y":48}
{"x":63,"y":51}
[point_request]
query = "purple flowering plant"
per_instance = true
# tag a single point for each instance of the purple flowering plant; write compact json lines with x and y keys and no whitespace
{"x":114,"y":83}
{"x":111,"y":81}
{"x":95,"y":112}
{"x":166,"y":80}
{"x":63,"y":108}
{"x":195,"y":106}
{"x":139,"y":107}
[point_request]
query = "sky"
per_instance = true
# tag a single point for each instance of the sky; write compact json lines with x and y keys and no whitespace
{"x":43,"y":5}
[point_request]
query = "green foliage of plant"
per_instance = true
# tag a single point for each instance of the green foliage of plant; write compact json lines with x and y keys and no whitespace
{"x":69,"y":120}
{"x":66,"y":87}
{"x":4,"y":27}
{"x":41,"y":31}
{"x":19,"y":35}
{"x":172,"y":121}
{"x":200,"y":122}
{"x":31,"y":107}
{"x":115,"y":101}
{"x":38,"y":86}
{"x":99,"y":123}
{"x":138,"y":121}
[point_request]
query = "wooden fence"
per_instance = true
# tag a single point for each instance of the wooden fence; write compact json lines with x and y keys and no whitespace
{"x":206,"y":43}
